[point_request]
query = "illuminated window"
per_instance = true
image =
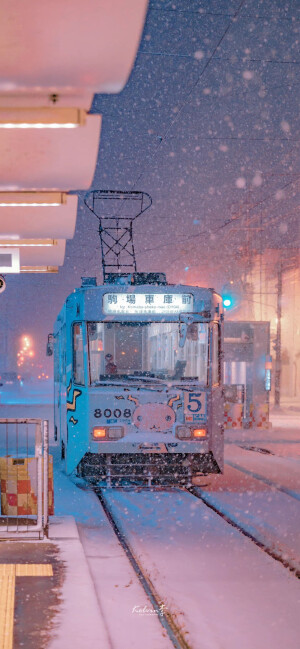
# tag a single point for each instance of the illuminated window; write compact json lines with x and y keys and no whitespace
{"x":215,"y":354}
{"x":78,"y":356}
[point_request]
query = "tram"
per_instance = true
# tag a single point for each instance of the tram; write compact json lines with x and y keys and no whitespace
{"x":138,"y":380}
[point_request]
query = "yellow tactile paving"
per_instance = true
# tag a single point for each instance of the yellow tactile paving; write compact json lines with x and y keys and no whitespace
{"x":34,"y":570}
{"x":7,"y":569}
{"x":7,"y":607}
{"x":8,"y":574}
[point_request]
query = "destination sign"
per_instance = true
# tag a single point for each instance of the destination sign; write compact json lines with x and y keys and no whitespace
{"x":143,"y":303}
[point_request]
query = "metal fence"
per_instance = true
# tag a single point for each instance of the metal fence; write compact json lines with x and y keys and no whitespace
{"x":24,"y":478}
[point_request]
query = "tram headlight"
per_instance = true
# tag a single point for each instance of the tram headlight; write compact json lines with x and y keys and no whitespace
{"x":199,"y":433}
{"x":107,"y":432}
{"x":99,"y":433}
{"x":115,"y":432}
{"x":183,"y":432}
{"x":188,"y":432}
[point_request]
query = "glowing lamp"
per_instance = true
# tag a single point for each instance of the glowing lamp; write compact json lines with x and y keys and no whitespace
{"x":99,"y":433}
{"x":199,"y":432}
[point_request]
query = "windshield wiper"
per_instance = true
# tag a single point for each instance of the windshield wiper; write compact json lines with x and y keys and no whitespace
{"x":149,"y":379}
{"x":117,"y":382}
{"x":130,"y":378}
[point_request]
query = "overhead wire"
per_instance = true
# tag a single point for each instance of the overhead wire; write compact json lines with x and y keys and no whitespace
{"x":190,"y":93}
{"x":227,"y":222}
{"x":232,"y":19}
{"x":187,"y":100}
{"x":201,"y":13}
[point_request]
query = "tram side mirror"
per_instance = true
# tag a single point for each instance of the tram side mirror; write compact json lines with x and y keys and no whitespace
{"x":184,"y":324}
{"x":2,"y":284}
{"x":49,"y":349}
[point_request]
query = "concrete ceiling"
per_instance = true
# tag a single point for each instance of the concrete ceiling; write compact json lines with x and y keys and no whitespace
{"x":53,"y":57}
{"x":61,"y":45}
{"x":49,"y":158}
{"x":29,"y":215}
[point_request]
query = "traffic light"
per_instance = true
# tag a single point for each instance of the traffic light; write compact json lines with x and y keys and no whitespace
{"x":227,"y":301}
{"x":231,"y":295}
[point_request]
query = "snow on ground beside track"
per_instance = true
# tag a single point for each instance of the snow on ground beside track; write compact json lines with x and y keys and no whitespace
{"x":225,"y":591}
{"x":33,"y":393}
{"x":280,"y":470}
{"x":269,"y":515}
{"x":79,"y":622}
{"x":117,"y":587}
{"x":284,"y":417}
{"x":283,"y":441}
{"x":280,"y":435}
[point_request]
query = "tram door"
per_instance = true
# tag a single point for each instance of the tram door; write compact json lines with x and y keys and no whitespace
{"x":57,"y":390}
{"x":60,"y":383}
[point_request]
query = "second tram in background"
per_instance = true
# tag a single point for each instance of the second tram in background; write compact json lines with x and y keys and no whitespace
{"x":138,"y":380}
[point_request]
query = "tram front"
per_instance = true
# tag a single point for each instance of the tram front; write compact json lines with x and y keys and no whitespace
{"x":154,"y":396}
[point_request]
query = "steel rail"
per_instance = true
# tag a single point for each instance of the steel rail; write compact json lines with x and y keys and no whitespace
{"x":167,"y":621}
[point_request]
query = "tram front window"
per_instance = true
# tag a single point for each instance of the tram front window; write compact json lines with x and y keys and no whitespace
{"x":149,"y":350}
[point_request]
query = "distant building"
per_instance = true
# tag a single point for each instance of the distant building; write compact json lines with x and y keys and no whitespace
{"x":260,"y":303}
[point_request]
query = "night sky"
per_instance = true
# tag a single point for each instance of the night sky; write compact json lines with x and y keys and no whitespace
{"x":208,"y":125}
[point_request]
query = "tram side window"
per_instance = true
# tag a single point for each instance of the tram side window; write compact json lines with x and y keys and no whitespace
{"x":96,"y":350}
{"x":215,"y":354}
{"x":78,"y":355}
{"x":56,"y":359}
{"x":64,"y":355}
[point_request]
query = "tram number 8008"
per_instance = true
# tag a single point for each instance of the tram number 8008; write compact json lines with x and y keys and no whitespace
{"x":117,"y":413}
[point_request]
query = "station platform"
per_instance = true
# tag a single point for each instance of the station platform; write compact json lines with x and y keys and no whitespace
{"x":48,"y":598}
{"x":78,"y":589}
{"x":47,"y":593}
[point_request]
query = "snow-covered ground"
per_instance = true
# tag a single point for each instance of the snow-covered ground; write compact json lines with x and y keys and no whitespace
{"x":119,"y":594}
{"x":224,"y":591}
{"x":261,"y":510}
{"x":260,"y":487}
{"x":30,"y":392}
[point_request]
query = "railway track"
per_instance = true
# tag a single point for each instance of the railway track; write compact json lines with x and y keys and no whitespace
{"x":167,"y":620}
{"x":246,"y":531}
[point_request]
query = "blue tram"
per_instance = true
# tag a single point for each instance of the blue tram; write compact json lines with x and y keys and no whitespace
{"x":138,"y":380}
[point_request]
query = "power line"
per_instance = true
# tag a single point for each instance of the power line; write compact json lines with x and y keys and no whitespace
{"x":222,"y":15}
{"x":227,"y":222}
{"x":189,"y":95}
{"x":244,"y":59}
{"x":191,"y":91}
{"x":186,"y":101}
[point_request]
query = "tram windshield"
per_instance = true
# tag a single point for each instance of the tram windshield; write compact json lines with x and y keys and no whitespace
{"x":147,"y":351}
